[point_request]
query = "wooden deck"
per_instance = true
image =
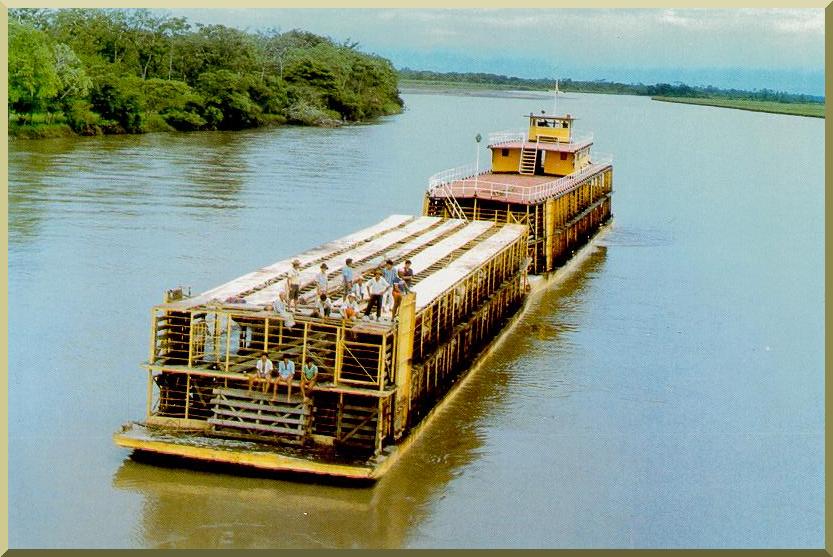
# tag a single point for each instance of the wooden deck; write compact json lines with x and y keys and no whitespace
{"x":442,"y":252}
{"x":516,"y":188}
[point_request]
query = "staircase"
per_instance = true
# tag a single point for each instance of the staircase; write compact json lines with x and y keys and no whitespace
{"x":452,"y":204}
{"x":528,"y":157}
{"x":253,"y":415}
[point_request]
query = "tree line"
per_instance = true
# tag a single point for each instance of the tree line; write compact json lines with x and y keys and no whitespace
{"x":130,"y":71}
{"x":609,"y":87}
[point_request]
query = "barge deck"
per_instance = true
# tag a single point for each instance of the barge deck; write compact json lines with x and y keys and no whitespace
{"x":377,"y":379}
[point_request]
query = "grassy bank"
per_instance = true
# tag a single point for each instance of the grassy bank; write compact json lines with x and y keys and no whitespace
{"x":443,"y":86}
{"x":813,"y":110}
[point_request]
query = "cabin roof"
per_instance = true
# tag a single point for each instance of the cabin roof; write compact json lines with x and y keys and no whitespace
{"x":552,"y":117}
{"x":559,"y":147}
{"x":442,"y":252}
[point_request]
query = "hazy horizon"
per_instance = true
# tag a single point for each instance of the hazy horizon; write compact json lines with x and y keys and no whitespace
{"x":781,"y":49}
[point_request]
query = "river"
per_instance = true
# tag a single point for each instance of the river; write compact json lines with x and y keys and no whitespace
{"x":668,"y":393}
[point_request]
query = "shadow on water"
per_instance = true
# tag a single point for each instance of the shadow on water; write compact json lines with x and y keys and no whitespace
{"x":191,"y":505}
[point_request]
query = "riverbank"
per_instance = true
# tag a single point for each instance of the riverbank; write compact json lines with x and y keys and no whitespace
{"x":464,"y":88}
{"x":810,"y":110}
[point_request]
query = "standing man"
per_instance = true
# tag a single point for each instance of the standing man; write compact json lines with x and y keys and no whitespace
{"x":377,"y":287}
{"x":321,"y":280}
{"x":390,"y":276}
{"x":347,"y":276}
{"x":293,"y":284}
{"x":407,"y":275}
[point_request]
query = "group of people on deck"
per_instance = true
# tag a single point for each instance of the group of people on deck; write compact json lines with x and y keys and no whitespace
{"x":266,"y":374}
{"x":382,"y":290}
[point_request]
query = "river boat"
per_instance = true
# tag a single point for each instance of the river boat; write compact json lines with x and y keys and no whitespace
{"x":545,"y":178}
{"x":473,"y":252}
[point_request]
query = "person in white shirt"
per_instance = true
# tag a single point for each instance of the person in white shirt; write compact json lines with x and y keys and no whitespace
{"x":376,"y":287}
{"x":359,"y":289}
{"x":263,"y":371}
{"x":350,"y":307}
{"x":323,"y":306}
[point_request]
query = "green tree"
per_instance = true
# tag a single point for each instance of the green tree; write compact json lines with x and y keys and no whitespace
{"x":73,"y":82}
{"x":32,"y":76}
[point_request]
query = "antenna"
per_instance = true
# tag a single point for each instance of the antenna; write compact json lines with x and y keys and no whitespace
{"x":555,"y":102}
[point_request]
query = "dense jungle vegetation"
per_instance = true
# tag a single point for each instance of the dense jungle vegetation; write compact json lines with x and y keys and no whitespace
{"x":92,"y":71}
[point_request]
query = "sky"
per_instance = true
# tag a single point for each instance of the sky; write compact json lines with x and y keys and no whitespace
{"x":779,"y":49}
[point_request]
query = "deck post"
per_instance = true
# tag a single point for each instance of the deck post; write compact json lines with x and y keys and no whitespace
{"x":266,"y":336}
{"x":150,"y":394}
{"x":549,"y":230}
{"x":304,"y":346}
{"x":152,"y":354}
{"x":191,"y":341}
{"x":339,"y":358}
{"x":404,"y":354}
{"x":228,"y":339}
{"x":187,"y":393}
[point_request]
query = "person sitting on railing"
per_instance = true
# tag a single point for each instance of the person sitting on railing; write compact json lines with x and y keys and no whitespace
{"x":347,"y":277}
{"x":263,"y":371}
{"x":280,"y":307}
{"x":286,"y":371}
{"x":309,"y":376}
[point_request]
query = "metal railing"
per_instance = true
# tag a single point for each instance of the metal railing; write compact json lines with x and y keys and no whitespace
{"x":453,"y":175}
{"x":488,"y":189}
{"x":498,"y":138}
{"x":503,"y":137}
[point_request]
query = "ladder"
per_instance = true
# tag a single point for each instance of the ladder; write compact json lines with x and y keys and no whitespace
{"x":252,"y":414}
{"x":528,"y":158}
{"x":452,"y":204}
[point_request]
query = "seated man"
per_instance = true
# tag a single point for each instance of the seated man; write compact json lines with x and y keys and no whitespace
{"x":350,"y":307}
{"x":281,"y":307}
{"x":323,"y":306}
{"x":286,"y":371}
{"x":263,"y":371}
{"x":309,"y":376}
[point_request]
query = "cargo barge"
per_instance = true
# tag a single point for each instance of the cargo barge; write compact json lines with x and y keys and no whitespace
{"x":378,"y":379}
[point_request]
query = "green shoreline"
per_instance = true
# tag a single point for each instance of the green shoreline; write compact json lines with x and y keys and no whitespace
{"x":809,"y":110}
{"x":437,"y":87}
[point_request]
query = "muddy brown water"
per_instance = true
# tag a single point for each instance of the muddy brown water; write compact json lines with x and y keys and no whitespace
{"x":669,"y":393}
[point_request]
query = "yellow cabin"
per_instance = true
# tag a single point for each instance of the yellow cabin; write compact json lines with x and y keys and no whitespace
{"x":549,"y":149}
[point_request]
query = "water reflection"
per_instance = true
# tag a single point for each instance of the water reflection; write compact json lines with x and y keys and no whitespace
{"x":194,"y":507}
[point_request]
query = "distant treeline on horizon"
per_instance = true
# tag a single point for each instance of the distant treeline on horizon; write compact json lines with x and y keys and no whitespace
{"x":91,"y":71}
{"x":609,"y":87}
